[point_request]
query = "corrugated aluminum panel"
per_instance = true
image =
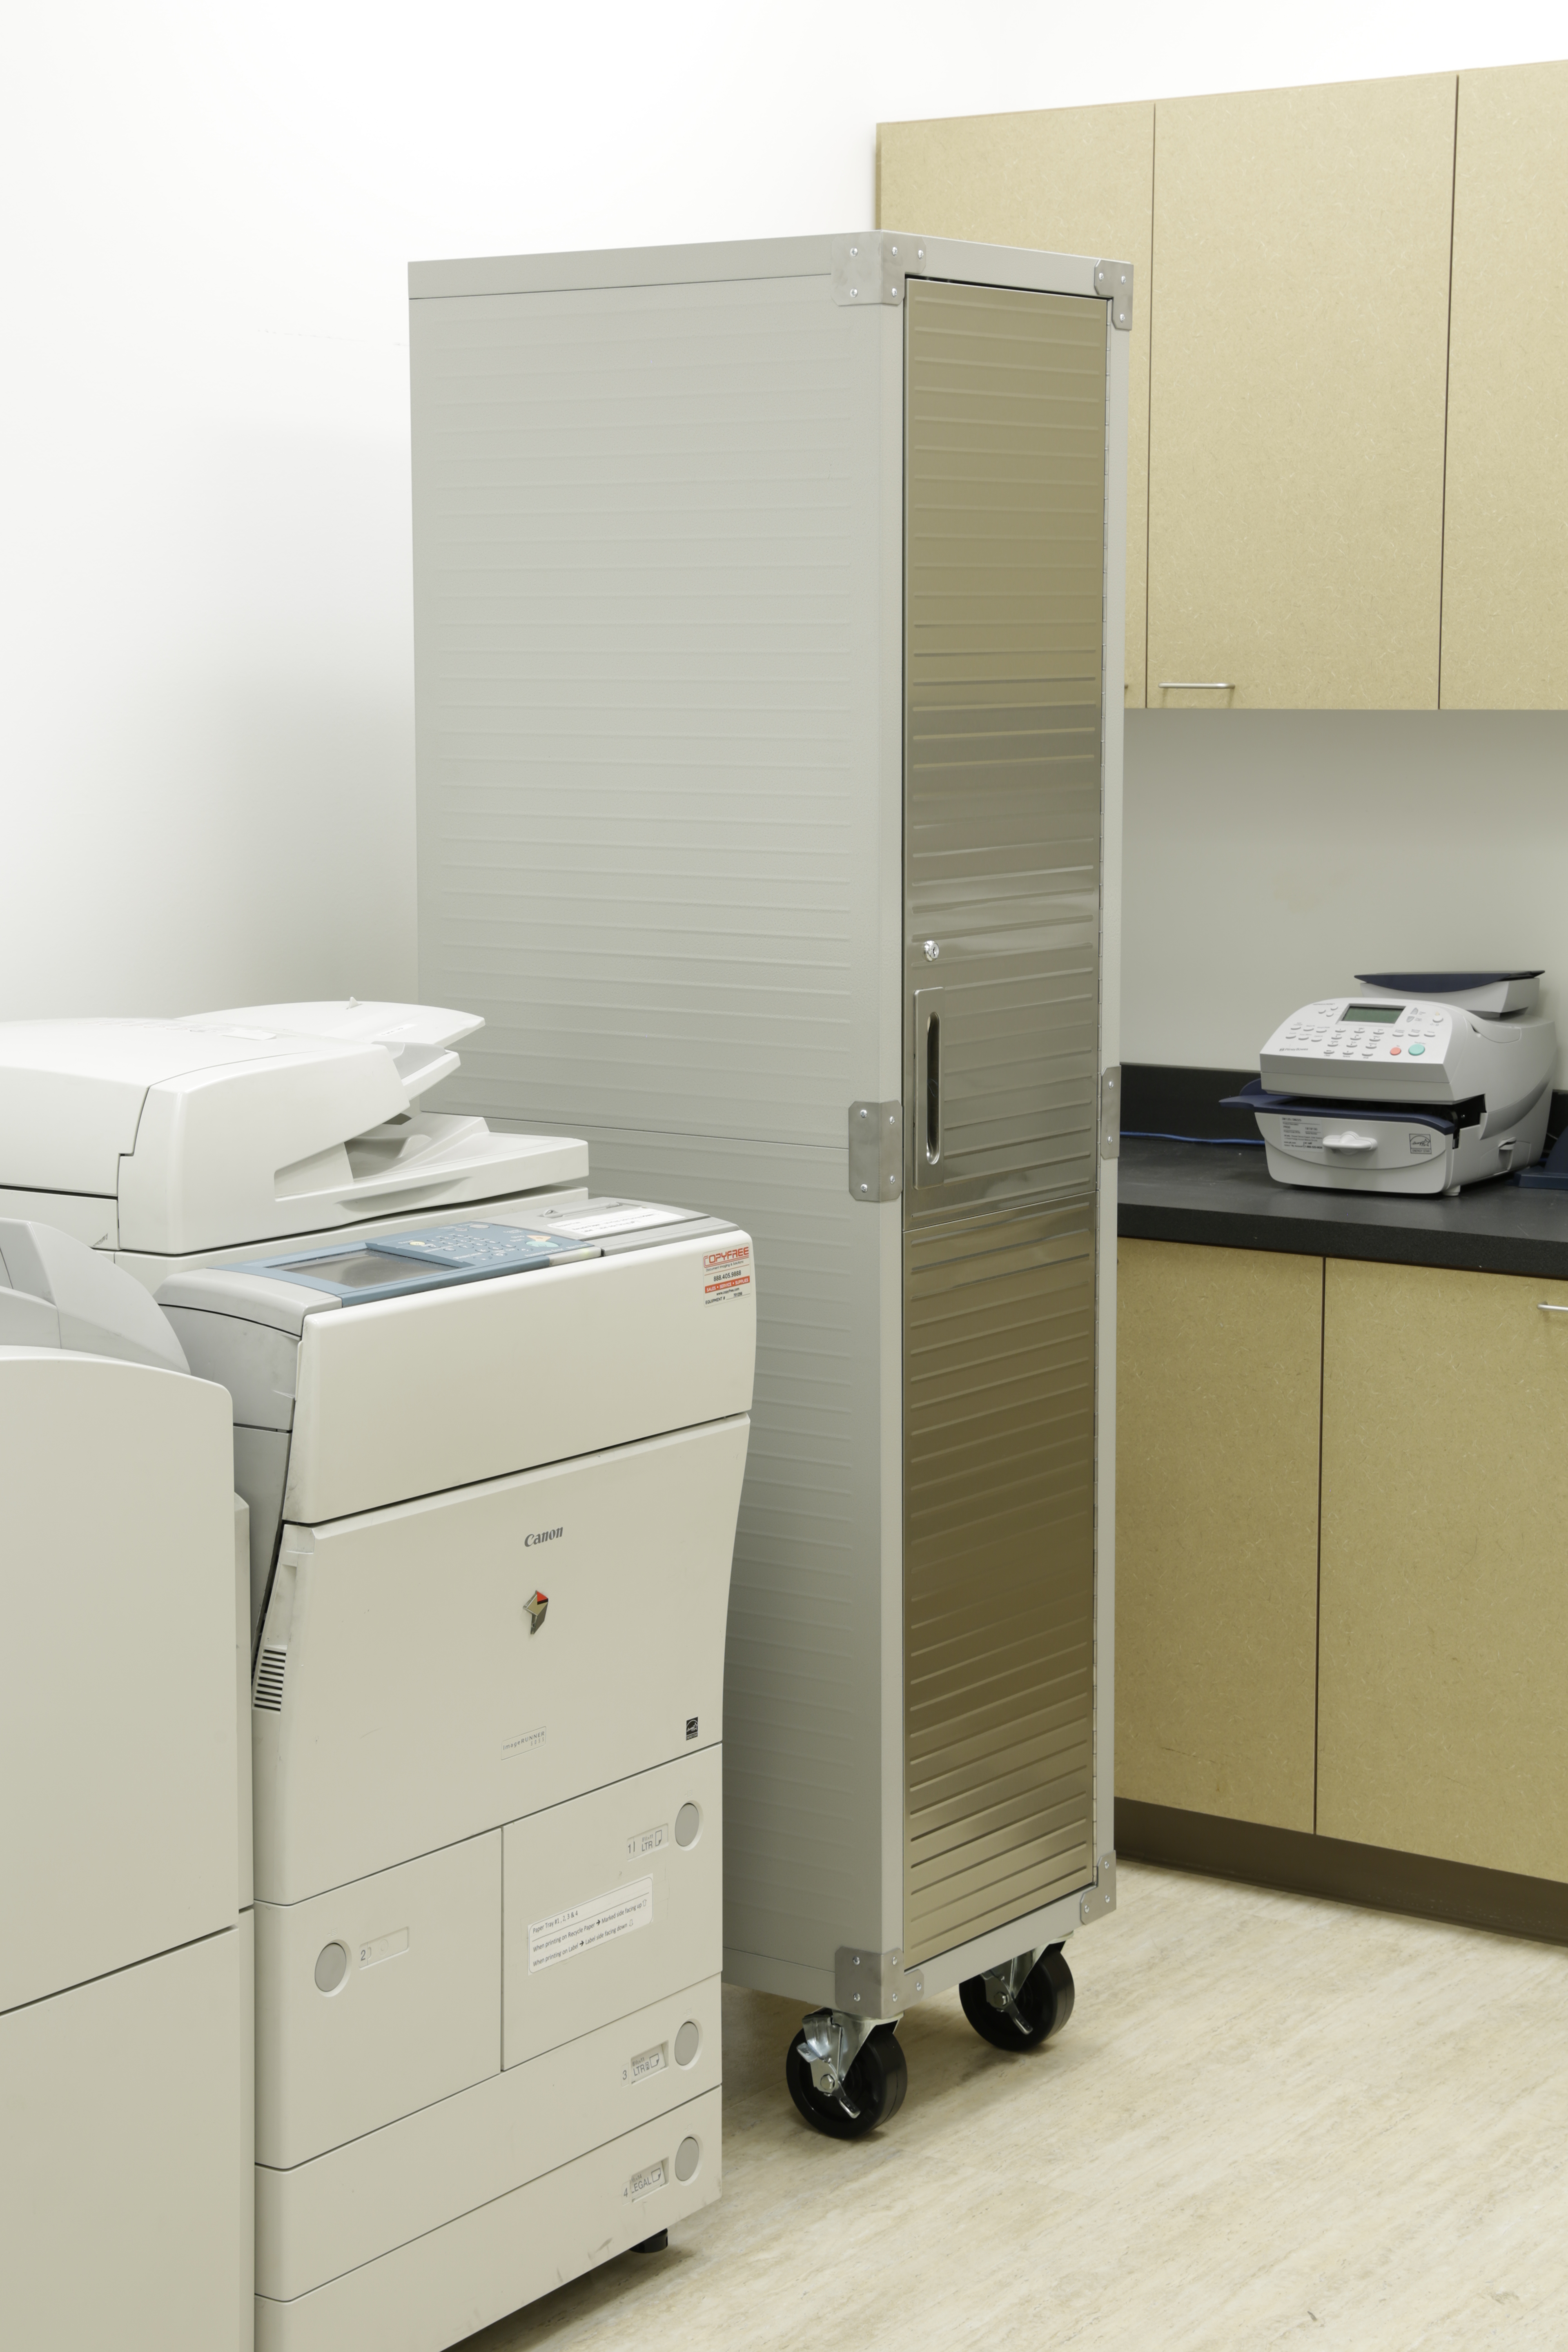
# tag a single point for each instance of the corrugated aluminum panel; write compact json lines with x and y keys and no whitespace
{"x":646,"y":561}
{"x":1004,"y":455}
{"x":1004,"y":468}
{"x":998,"y":1570}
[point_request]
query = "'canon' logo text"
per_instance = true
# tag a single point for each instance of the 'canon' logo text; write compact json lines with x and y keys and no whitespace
{"x":545,"y":1534}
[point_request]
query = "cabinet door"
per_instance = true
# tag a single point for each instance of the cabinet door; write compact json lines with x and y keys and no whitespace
{"x":1505,"y":543}
{"x":1445,"y":1585}
{"x":1217,"y":1392}
{"x":1079,"y":179}
{"x":1298,"y":334}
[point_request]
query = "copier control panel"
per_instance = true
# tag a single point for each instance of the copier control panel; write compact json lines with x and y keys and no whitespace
{"x":1342,"y":1029}
{"x":431,"y":1257}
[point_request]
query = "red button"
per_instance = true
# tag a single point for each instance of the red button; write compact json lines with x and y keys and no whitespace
{"x":1396,"y":1049}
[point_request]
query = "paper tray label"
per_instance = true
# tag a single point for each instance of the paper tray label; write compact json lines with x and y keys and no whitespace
{"x":586,"y":1924}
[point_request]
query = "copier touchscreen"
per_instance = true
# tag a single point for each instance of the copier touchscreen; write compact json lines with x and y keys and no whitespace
{"x":428,"y":1259}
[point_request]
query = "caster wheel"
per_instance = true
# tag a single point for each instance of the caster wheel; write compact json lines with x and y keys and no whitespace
{"x":1031,"y":2010}
{"x":657,"y":2244}
{"x":873,"y":2089}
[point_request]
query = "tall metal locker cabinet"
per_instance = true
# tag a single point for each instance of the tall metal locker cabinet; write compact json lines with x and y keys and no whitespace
{"x":769,"y":632}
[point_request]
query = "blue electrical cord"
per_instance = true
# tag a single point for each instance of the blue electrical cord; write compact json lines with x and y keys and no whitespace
{"x":1153,"y":1135}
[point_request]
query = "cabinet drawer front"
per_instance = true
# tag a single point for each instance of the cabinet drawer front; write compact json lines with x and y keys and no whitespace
{"x":376,"y":1999}
{"x":605,"y":1908}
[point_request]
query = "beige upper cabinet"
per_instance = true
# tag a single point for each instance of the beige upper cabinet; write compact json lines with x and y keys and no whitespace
{"x":1505,"y":557}
{"x":1076,"y":180}
{"x":1299,"y":345}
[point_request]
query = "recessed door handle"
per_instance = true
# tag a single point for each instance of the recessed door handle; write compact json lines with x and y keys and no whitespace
{"x":930,"y":1107}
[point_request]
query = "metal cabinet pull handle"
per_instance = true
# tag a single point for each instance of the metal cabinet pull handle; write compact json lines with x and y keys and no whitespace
{"x":1545,"y":1307}
{"x":933,"y":1089}
{"x":1197,"y":685}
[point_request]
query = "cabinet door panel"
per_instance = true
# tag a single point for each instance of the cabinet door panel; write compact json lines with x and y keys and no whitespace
{"x":1445,"y":1582}
{"x":1298,"y":335}
{"x":1218,"y":1392}
{"x":1077,"y":179}
{"x":1505,"y":543}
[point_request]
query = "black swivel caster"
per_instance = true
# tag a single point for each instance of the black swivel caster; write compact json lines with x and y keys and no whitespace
{"x":1018,"y":2006}
{"x":657,"y":2244}
{"x":842,"y":2095}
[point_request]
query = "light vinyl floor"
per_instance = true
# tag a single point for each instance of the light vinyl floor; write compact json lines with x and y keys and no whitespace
{"x":1269,"y":2122}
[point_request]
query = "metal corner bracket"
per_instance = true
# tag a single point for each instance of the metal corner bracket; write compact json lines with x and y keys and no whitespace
{"x":1111,"y":1112}
{"x":1100,"y":1898}
{"x":871,"y":267}
{"x":873,"y":1984}
{"x":876,"y":1150}
{"x":1114,"y":281}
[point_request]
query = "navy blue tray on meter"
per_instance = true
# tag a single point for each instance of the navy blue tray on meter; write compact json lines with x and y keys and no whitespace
{"x":432,"y":1257}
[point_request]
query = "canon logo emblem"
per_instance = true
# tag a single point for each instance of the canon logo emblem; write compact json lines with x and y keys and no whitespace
{"x":545,"y":1534}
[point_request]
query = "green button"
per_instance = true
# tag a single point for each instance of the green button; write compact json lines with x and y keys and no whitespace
{"x":1417,"y":1049}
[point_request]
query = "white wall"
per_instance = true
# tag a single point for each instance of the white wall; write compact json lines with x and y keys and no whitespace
{"x":1273,"y":856}
{"x":205,"y":663}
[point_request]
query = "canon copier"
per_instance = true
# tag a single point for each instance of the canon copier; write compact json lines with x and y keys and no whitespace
{"x":1423,"y":1083}
{"x":487,"y":1749}
{"x":492,"y":1432}
{"x":125,"y":1966}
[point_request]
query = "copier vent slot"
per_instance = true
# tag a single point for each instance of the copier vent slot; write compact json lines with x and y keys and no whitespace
{"x":269,"y":1680}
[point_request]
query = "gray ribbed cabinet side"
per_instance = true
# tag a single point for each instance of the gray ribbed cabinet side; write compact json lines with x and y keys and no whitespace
{"x":657,"y":535}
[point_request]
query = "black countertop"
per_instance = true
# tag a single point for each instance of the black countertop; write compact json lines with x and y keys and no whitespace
{"x":1221,"y":1193}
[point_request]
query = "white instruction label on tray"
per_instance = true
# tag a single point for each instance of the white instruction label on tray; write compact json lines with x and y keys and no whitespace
{"x":594,"y":1227}
{"x":652,"y":2176}
{"x":726,"y":1274}
{"x":1302,"y":1134}
{"x":587,"y":1924}
{"x":646,"y":2063}
{"x":647,"y":1841}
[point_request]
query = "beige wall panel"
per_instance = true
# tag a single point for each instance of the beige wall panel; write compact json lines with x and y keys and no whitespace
{"x":1077,"y":180}
{"x":1444,"y":1657}
{"x":1505,"y":546}
{"x":1218,"y":1360}
{"x":1298,"y":343}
